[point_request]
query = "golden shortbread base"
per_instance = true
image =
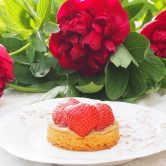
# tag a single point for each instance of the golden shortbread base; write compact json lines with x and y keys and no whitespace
{"x":65,"y":138}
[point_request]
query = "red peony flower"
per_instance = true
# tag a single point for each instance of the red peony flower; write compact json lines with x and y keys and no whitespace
{"x":6,"y":69}
{"x":90,"y":31}
{"x":155,"y":31}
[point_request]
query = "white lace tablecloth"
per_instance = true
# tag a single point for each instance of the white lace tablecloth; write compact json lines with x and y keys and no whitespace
{"x":11,"y":101}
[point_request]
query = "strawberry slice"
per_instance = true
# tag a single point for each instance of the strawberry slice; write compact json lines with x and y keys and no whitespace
{"x":59,"y":115}
{"x":105,"y":116}
{"x":82,"y":119}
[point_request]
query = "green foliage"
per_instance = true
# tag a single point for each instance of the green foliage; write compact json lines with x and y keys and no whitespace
{"x":142,"y":11}
{"x":122,"y":57}
{"x":147,"y":75}
{"x":90,"y":88}
{"x":133,"y":71}
{"x":44,"y":9}
{"x":30,"y":51}
{"x":148,"y":17}
{"x":23,"y":74}
{"x":36,"y":88}
{"x":133,"y":50}
{"x":137,"y":46}
{"x":134,"y":9}
{"x":25,"y":27}
{"x":116,"y":80}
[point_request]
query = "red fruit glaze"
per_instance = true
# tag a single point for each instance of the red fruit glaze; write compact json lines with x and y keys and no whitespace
{"x":105,"y":116}
{"x":59,"y":115}
{"x":82,"y":119}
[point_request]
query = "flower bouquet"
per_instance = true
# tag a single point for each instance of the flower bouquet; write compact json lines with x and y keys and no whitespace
{"x":107,"y":49}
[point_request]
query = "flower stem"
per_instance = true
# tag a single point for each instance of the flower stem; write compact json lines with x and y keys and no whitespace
{"x":20,"y":50}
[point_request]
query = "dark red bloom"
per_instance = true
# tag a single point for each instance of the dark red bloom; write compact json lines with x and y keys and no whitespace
{"x":90,"y":30}
{"x":155,"y":31}
{"x":6,"y":68}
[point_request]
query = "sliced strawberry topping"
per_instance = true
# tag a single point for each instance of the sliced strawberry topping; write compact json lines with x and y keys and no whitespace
{"x":105,"y":116}
{"x":82,"y":119}
{"x":59,"y":114}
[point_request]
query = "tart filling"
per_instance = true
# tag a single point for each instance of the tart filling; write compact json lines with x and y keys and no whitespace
{"x":103,"y":132}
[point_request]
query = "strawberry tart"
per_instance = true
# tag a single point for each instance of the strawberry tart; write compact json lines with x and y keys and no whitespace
{"x":83,"y":127}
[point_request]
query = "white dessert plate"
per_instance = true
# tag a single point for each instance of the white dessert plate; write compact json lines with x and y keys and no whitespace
{"x":23,"y":134}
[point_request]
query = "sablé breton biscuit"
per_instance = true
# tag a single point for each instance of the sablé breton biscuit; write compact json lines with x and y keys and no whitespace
{"x":67,"y":139}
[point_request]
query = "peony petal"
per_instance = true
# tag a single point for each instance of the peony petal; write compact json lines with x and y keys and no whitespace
{"x":6,"y":68}
{"x":76,"y":52}
{"x":69,"y":7}
{"x":66,"y":62}
{"x":93,"y":39}
{"x":159,"y":36}
{"x":2,"y":85}
{"x":151,"y":27}
{"x":6,"y":65}
{"x":73,"y":38}
{"x":118,"y":14}
{"x":119,"y":29}
{"x":54,"y":43}
{"x":4,"y":54}
{"x":162,"y":45}
{"x":164,"y":53}
{"x":95,"y":62}
{"x":97,"y":28}
{"x":110,"y":6}
{"x":154,"y":47}
{"x":110,"y":46}
{"x":161,"y":16}
{"x":161,"y":53}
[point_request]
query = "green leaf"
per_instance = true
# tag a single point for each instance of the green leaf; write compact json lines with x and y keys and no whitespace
{"x":146,"y":76}
{"x":30,"y":51}
{"x":153,"y":67}
{"x":40,"y":69}
{"x":90,"y":88}
{"x":164,"y":82}
{"x":63,"y":91}
{"x":11,"y":26}
{"x":53,"y":63}
{"x":132,"y":26}
{"x":44,"y":9}
{"x":134,"y":9}
{"x":122,"y":58}
{"x":11,"y":44}
{"x":137,"y":82}
{"x":23,"y":74}
{"x":56,"y":5}
{"x":38,"y":41}
{"x":21,"y":59}
{"x":17,"y":14}
{"x":71,"y":92}
{"x":36,"y":88}
{"x":50,"y":27}
{"x":2,"y":27}
{"x":29,"y":6}
{"x":116,"y":80}
{"x":137,"y":45}
{"x":83,"y":80}
{"x":148,"y":17}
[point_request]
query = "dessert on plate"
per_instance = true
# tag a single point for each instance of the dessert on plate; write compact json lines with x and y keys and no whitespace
{"x":83,"y":127}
